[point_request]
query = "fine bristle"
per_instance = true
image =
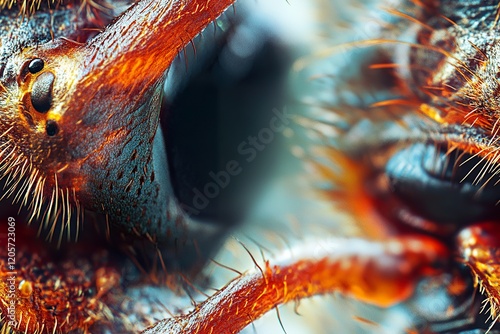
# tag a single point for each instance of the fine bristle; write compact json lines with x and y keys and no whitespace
{"x":24,"y":184}
{"x":27,"y":7}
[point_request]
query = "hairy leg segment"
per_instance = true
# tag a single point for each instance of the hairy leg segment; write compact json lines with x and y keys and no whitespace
{"x":406,"y":141}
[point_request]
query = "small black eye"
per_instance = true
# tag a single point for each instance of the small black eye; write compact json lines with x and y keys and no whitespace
{"x":51,"y":128}
{"x":36,"y":65}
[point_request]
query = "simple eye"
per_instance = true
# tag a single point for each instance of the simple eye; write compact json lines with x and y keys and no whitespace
{"x":51,"y":128}
{"x":36,"y":65}
{"x":445,"y":188}
{"x":41,"y":95}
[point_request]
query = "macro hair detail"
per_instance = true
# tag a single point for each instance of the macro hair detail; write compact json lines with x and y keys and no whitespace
{"x":385,"y":189}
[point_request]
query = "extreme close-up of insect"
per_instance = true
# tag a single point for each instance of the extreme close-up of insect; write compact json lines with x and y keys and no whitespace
{"x":206,"y":166}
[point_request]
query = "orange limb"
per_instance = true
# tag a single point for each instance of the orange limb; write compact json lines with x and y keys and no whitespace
{"x":479,"y":248}
{"x":380,"y":273}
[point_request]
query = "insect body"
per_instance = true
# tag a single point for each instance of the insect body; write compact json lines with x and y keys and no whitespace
{"x":56,"y":72}
{"x":413,"y":165}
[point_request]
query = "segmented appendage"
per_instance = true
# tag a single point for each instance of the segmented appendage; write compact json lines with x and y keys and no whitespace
{"x":479,"y":247}
{"x":380,"y":273}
